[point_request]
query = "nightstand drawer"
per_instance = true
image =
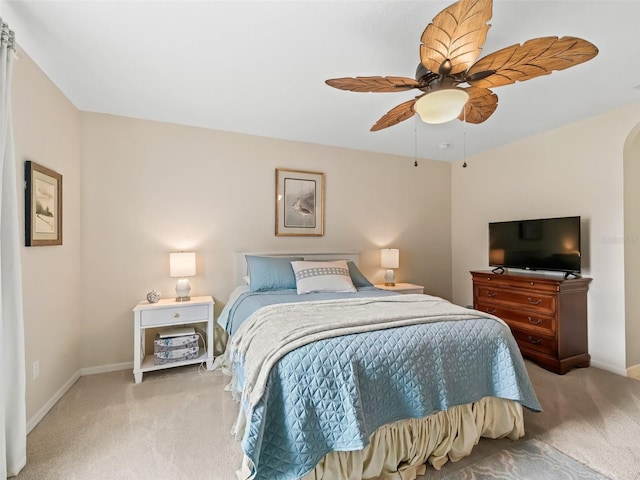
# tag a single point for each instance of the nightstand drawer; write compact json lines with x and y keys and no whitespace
{"x":173,"y":315}
{"x":411,"y":290}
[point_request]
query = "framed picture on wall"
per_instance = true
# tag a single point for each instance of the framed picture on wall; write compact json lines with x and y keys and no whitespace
{"x":43,"y":206}
{"x":299,"y":203}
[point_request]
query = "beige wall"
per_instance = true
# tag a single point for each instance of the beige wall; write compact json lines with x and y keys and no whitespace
{"x":151,"y":188}
{"x":47,"y":131}
{"x":632,"y":246}
{"x":574,"y":170}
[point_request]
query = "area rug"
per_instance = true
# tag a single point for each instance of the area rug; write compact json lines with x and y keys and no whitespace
{"x":528,"y":460}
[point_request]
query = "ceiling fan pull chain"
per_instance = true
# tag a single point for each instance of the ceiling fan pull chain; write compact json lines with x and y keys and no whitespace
{"x":464,"y":137}
{"x":415,"y":141}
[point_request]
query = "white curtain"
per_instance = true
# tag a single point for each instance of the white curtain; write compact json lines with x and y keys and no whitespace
{"x":13,"y":435}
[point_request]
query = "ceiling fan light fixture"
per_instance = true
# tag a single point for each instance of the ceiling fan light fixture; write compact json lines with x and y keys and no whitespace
{"x":441,"y":106}
{"x":449,"y":54}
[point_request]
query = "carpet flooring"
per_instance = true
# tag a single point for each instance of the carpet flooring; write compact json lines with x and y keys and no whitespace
{"x":527,"y":460}
{"x":175,"y":425}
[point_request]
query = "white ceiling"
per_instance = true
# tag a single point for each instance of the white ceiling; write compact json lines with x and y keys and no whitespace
{"x":258,"y":67}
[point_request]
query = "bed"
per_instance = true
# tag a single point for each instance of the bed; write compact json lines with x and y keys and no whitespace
{"x":338,"y":380}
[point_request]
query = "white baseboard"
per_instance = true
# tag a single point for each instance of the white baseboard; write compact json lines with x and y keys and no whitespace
{"x":39,"y":415}
{"x":114,"y":367}
{"x":634,"y":372}
{"x":609,"y":368}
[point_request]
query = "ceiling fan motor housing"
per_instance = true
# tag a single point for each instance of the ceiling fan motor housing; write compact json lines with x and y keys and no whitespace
{"x":424,"y":76}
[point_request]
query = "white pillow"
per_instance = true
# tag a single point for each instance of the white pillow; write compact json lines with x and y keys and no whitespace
{"x":322,"y":277}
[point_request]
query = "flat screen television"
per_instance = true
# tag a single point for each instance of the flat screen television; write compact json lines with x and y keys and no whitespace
{"x":544,"y":244}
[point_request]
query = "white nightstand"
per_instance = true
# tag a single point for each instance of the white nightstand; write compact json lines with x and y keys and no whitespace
{"x":402,"y":288}
{"x":166,"y":313}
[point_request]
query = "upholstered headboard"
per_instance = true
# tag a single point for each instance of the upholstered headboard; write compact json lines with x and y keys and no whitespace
{"x":241,"y":263}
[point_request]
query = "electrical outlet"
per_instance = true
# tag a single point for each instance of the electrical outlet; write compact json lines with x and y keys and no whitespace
{"x":36,"y":369}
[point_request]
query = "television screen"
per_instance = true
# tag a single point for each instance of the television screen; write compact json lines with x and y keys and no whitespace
{"x":543,"y":244}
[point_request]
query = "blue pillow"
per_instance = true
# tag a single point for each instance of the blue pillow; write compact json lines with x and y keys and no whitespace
{"x":271,"y":273}
{"x":358,"y":279}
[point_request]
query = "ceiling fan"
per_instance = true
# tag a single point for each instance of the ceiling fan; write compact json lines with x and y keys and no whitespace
{"x":450,"y":46}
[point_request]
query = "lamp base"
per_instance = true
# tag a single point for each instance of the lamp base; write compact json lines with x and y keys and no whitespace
{"x":390,"y":278}
{"x":182,"y":290}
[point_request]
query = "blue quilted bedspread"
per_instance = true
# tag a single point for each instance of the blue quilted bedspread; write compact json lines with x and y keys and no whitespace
{"x":332,"y":394}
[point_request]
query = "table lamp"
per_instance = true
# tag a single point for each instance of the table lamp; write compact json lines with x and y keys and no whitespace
{"x":389,"y":259}
{"x":181,"y":265}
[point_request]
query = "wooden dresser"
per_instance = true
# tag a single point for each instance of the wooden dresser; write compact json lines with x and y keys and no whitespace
{"x":547,"y":315}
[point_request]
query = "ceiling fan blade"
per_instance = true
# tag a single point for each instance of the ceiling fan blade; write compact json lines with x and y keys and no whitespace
{"x":396,"y":115}
{"x":373,"y":84}
{"x":536,"y":57}
{"x":457,"y":33}
{"x":481,"y":104}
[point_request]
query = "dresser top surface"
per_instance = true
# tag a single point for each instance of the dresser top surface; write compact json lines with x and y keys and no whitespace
{"x":530,"y":277}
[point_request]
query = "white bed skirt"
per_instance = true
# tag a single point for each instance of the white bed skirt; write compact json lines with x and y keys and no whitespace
{"x":400,"y":450}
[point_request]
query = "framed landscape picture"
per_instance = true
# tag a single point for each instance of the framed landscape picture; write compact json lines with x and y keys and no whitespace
{"x":299,"y":203}
{"x":43,"y":206}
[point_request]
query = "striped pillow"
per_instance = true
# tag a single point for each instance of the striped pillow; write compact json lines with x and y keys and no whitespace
{"x":322,"y":277}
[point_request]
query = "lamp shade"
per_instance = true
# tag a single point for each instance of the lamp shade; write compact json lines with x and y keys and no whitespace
{"x":182,"y":264}
{"x":389,"y":258}
{"x":441,"y":106}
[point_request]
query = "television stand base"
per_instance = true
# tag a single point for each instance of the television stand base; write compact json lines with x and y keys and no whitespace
{"x":571,"y":275}
{"x":498,"y":270}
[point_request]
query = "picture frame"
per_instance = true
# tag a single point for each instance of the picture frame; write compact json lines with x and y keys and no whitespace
{"x":299,"y":203}
{"x":42,"y":205}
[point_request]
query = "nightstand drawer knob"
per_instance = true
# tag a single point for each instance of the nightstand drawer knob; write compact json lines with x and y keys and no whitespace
{"x":491,"y":310}
{"x":535,"y":321}
{"x":534,"y":302}
{"x":491,"y":294}
{"x":534,"y":340}
{"x":176,"y":315}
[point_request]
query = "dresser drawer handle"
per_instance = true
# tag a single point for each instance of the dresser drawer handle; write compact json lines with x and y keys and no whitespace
{"x":491,"y":294}
{"x":492,"y":311}
{"x":535,"y":321}
{"x":534,"y":302}
{"x":534,"y":340}
{"x":176,"y":315}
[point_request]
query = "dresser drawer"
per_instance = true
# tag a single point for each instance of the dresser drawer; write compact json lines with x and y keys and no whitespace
{"x":532,"y":341}
{"x":531,"y":301}
{"x":174,"y":315}
{"x":507,"y":282}
{"x":533,"y":322}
